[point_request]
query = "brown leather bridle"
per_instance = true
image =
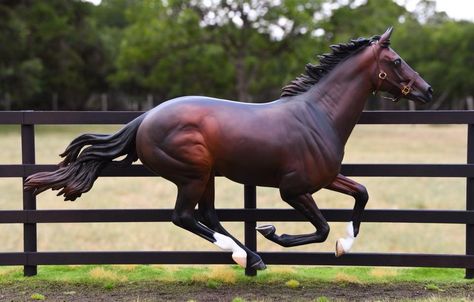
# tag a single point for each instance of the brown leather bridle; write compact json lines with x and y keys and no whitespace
{"x":382,"y":76}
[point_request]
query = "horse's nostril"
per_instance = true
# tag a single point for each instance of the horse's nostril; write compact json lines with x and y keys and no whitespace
{"x":430,"y":90}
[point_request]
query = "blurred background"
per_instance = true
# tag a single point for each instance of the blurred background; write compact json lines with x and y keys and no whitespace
{"x":132,"y":55}
{"x":135,"y":54}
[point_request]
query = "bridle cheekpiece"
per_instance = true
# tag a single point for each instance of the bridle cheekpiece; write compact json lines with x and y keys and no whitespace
{"x":382,"y":76}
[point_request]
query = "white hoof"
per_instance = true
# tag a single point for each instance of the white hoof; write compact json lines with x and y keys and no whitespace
{"x":339,"y":248}
{"x":343,"y":246}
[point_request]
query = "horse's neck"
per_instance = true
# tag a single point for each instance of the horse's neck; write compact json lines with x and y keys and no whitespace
{"x":342,"y":97}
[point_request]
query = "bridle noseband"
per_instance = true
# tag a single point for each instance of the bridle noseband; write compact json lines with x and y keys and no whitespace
{"x":382,"y":76}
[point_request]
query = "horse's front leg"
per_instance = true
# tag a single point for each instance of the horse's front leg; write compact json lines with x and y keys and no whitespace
{"x":306,"y":206}
{"x":347,"y":186}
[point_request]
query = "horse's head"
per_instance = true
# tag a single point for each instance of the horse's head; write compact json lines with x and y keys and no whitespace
{"x":395,"y":76}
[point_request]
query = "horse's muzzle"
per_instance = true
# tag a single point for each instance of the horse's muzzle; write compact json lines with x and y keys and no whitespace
{"x":422,"y":95}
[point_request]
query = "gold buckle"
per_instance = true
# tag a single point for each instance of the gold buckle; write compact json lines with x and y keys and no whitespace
{"x":382,"y":75}
{"x":406,"y":90}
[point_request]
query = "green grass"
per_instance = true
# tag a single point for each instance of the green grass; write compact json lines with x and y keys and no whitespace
{"x":37,"y":296}
{"x":293,"y":277}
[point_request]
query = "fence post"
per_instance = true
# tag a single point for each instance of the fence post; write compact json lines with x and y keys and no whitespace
{"x":29,"y":200}
{"x":470,"y":199}
{"x":250,"y":202}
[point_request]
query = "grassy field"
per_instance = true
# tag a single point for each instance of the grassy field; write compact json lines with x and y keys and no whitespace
{"x":368,"y":144}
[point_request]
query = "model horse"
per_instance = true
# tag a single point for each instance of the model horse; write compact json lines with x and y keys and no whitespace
{"x":295,"y":144}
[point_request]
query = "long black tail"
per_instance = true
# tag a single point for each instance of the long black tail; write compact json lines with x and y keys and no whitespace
{"x":81,"y":166}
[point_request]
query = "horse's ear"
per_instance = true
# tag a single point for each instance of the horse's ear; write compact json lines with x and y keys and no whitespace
{"x":385,"y":38}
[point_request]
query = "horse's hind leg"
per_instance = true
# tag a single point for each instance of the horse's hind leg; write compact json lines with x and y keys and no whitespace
{"x":208,"y":216}
{"x":347,"y":186}
{"x":183,"y":216}
{"x":304,"y":204}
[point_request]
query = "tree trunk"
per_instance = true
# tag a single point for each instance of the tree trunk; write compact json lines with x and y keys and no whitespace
{"x":8,"y":102}
{"x":149,"y":102}
{"x":104,"y":102}
{"x":470,"y":103}
{"x":242,"y":82}
{"x":54,"y":102}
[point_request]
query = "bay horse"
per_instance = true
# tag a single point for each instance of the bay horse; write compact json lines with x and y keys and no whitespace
{"x":295,"y":144}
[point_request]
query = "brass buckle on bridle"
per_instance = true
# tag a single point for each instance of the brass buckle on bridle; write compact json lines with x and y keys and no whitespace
{"x":406,"y":89}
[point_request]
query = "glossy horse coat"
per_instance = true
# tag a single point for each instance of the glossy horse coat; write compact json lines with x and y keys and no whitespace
{"x":295,"y":144}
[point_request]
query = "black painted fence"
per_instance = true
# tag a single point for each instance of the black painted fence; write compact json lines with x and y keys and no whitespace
{"x":30,"y":258}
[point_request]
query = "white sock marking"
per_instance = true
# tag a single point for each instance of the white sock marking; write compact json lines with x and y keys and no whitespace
{"x":228,"y":244}
{"x":350,"y":230}
{"x":349,"y":240}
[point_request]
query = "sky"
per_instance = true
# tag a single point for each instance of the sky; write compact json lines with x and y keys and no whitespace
{"x":456,"y":9}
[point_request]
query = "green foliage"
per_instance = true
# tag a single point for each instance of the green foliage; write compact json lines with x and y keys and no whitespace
{"x":244,"y":50}
{"x":439,"y":51}
{"x":366,"y":20}
{"x":52,"y":49}
{"x":176,"y":48}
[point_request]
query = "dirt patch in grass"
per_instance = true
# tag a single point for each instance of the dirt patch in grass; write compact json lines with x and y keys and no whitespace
{"x":198,"y":291}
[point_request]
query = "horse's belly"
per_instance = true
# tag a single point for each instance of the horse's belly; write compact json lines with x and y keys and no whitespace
{"x":250,"y":172}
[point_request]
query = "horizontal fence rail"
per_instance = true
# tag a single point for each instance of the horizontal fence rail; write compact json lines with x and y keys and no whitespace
{"x":380,"y":170}
{"x":245,"y":215}
{"x":30,"y":258}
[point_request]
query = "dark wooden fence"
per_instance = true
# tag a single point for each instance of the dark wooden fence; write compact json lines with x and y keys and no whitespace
{"x":30,"y":258}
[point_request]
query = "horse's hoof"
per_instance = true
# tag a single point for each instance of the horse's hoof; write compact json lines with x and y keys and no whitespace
{"x":242,"y":261}
{"x":339,"y":248}
{"x":266,"y":229}
{"x":259,"y":266}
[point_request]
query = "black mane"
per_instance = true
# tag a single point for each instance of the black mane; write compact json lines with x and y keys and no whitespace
{"x":327,"y":62}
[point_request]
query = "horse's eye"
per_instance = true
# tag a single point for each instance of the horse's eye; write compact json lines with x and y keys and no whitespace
{"x":397,"y":62}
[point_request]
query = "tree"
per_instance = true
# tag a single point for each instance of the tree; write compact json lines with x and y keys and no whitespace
{"x":50,"y":48}
{"x":263,"y":39}
{"x":20,"y":73}
{"x":240,"y":49}
{"x":233,"y":49}
{"x":440,"y":49}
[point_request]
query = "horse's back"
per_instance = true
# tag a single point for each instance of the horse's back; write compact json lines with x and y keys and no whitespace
{"x":202,"y":134}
